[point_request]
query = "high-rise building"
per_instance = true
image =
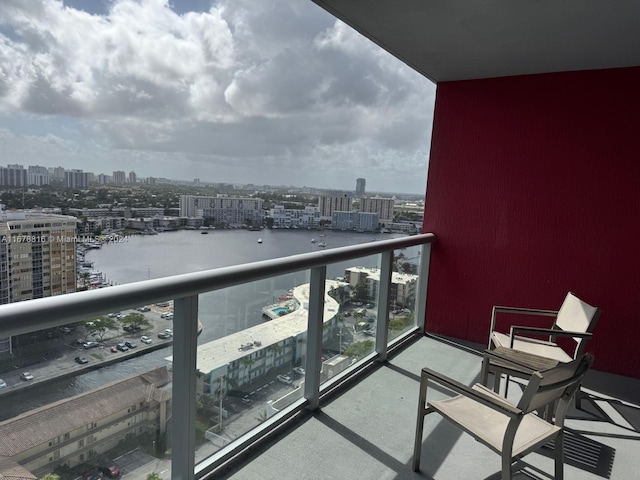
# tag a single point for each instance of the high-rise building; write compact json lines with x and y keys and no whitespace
{"x":37,"y":175}
{"x":132,"y":177}
{"x":360,"y":187}
{"x":118,"y":177}
{"x":13,"y":176}
{"x":37,"y":258}
{"x":382,"y":206}
{"x":334,"y":203}
{"x":76,"y":179}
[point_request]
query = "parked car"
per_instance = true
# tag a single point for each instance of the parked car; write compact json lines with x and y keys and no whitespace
{"x":298,"y":370}
{"x":168,"y":331}
{"x":167,"y":316}
{"x":81,"y":360}
{"x":145,"y":339}
{"x":26,"y":376}
{"x":143,"y":309}
{"x":89,"y":345}
{"x":114,"y":348}
{"x":164,"y":335}
{"x":110,"y":472}
{"x":122,"y":347}
{"x":131,"y":344}
{"x":113,"y":315}
{"x":284,"y":379}
{"x":3,"y":384}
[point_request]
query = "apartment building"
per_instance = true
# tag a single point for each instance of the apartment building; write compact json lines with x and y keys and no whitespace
{"x":361,"y":184}
{"x":13,"y":176}
{"x":309,"y":217}
{"x":72,"y":430}
{"x":37,"y":175}
{"x":403,"y":285}
{"x":37,"y":258}
{"x":118,"y":177}
{"x":334,"y":203}
{"x":358,"y":221}
{"x":223,"y":209}
{"x":76,"y":179}
{"x":382,"y":206}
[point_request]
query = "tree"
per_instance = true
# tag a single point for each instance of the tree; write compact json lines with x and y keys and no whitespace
{"x":359,"y":350}
{"x":100,"y":326}
{"x":153,"y":476}
{"x":50,"y":476}
{"x":135,"y":320}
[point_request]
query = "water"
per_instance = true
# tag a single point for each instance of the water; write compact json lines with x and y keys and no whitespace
{"x":144,"y":257}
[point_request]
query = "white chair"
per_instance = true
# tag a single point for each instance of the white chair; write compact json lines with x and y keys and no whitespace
{"x":575,"y":320}
{"x":512,"y":431}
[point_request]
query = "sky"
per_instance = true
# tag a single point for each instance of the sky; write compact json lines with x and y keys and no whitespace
{"x":274,"y":92}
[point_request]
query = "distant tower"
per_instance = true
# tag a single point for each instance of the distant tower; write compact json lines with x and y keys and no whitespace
{"x":360,"y":185}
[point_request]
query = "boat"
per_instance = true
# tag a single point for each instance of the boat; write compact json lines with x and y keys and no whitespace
{"x":313,"y":240}
{"x":322,"y":244}
{"x":204,"y":233}
{"x":259,"y":240}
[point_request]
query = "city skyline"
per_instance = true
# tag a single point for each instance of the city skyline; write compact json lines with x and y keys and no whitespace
{"x":197,"y":90}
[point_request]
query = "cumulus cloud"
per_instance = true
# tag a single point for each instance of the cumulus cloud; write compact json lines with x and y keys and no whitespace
{"x":242,"y":84}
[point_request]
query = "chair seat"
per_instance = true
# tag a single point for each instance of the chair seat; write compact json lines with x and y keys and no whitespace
{"x":489,"y":426}
{"x":530,"y":345}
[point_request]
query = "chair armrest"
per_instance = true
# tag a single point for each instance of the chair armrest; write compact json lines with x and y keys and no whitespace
{"x":523,"y":311}
{"x":547,"y":331}
{"x":477,"y":395}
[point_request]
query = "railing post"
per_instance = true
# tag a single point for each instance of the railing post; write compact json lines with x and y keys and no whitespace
{"x":314,"y":336}
{"x":183,"y":411}
{"x":423,"y":283}
{"x":384,"y":295}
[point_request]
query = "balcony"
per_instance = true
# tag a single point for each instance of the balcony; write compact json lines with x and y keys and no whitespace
{"x":351,"y":420}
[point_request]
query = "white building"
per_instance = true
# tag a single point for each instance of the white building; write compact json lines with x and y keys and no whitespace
{"x":309,"y":217}
{"x":223,"y":209}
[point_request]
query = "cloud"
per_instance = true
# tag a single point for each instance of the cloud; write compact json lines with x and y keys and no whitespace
{"x":245,"y":83}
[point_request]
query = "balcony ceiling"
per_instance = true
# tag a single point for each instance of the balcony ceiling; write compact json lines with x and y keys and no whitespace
{"x":466,"y":39}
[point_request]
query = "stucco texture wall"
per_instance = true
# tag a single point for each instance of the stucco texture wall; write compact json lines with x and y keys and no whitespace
{"x":533,"y":190}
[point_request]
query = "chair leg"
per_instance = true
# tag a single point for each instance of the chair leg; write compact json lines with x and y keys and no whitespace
{"x":558,"y":447}
{"x":578,"y":395}
{"x":422,"y":411}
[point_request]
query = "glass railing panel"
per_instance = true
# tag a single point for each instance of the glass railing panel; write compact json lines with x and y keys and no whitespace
{"x":350,"y":317}
{"x":251,"y":357}
{"x":403,"y":294}
{"x":102,"y":379}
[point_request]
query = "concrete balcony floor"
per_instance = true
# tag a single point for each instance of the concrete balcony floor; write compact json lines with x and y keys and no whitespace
{"x":366,"y":432}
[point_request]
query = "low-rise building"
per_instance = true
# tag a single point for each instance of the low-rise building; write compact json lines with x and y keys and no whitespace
{"x":68,"y":432}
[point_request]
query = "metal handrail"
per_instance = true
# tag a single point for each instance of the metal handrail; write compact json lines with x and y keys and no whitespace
{"x":42,"y":313}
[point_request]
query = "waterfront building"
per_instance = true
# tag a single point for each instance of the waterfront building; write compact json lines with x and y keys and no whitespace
{"x":73,"y":430}
{"x":309,"y":217}
{"x":334,"y":203}
{"x":37,"y":258}
{"x":360,"y":187}
{"x":357,"y":221}
{"x":223,"y":209}
{"x":382,"y":206}
{"x":13,"y":176}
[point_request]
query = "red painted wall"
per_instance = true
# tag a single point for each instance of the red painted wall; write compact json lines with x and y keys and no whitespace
{"x":533,"y":190}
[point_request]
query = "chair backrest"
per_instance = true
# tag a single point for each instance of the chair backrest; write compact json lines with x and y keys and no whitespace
{"x":558,"y":382}
{"x":577,"y":316}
